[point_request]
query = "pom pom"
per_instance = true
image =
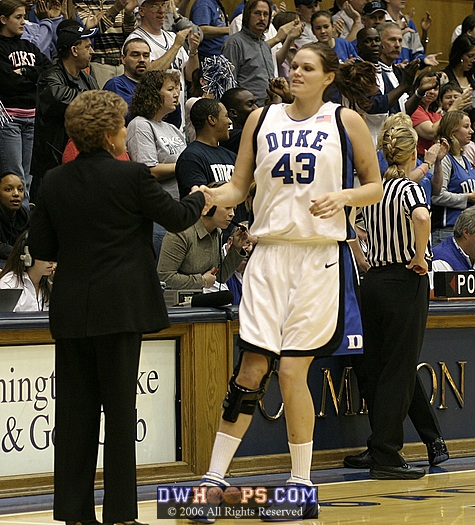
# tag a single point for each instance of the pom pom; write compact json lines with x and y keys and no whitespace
{"x":218,"y":75}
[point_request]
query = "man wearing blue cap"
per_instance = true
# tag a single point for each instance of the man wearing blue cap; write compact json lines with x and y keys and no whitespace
{"x":374,"y":13}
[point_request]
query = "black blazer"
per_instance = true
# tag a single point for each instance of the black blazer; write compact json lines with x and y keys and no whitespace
{"x":94,"y":216}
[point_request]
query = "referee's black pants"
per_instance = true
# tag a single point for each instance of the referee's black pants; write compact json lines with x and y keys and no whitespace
{"x":93,"y":372}
{"x":421,"y":412}
{"x":394,"y":307}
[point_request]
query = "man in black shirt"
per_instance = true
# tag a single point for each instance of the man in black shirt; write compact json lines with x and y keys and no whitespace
{"x":240,"y":103}
{"x":205,"y":160}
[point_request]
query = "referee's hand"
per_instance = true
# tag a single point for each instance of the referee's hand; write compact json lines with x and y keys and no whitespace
{"x":418,"y":265}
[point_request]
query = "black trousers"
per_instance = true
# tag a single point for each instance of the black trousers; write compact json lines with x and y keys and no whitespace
{"x":394,"y":307}
{"x":90,"y":373}
{"x":421,"y":413}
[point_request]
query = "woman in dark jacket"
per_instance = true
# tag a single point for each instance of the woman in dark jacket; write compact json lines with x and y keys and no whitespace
{"x":94,"y":216}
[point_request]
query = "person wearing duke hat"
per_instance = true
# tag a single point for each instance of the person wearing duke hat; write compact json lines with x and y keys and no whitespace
{"x":305,"y":10}
{"x":72,"y":36}
{"x":58,"y":86}
{"x":374,"y":13}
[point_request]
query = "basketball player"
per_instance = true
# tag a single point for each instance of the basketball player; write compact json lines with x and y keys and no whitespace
{"x":302,"y":162}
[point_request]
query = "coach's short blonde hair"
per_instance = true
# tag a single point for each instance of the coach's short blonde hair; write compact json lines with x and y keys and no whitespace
{"x":91,"y":115}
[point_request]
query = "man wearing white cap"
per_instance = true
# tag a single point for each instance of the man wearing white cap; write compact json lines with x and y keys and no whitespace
{"x":166,"y":48}
{"x":305,"y":10}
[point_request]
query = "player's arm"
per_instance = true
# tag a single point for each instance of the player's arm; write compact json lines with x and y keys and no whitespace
{"x":237,"y":189}
{"x":366,"y":164}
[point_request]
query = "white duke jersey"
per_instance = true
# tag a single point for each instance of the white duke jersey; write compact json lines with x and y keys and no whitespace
{"x":296,"y":161}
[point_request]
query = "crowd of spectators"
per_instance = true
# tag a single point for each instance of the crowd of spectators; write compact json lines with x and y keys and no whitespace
{"x":162,"y":63}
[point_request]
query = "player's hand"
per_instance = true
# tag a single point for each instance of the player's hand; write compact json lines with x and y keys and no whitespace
{"x":328,"y":205}
{"x":207,"y":193}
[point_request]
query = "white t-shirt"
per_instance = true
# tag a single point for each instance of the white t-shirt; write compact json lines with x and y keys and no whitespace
{"x":155,"y":142}
{"x":28,"y":301}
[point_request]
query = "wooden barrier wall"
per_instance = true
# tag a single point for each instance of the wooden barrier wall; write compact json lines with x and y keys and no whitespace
{"x":205,"y":364}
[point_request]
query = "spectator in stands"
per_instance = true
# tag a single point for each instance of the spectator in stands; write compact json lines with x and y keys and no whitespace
{"x":150,"y":140}
{"x":14,"y":217}
{"x":21,"y":63}
{"x":211,"y":17}
{"x":305,"y":9}
{"x":234,"y":283}
{"x":210,"y":81}
{"x":32,"y":276}
{"x":115,"y":20}
{"x":449,"y":93}
{"x":457,"y":253}
{"x":411,"y":46}
{"x":426,"y":118}
{"x":460,"y":69}
{"x":458,"y":185}
{"x":468,"y":25}
{"x":248,"y":51}
{"x":279,"y":20}
{"x":350,"y":15}
{"x":458,"y":30}
{"x":322,"y":27}
{"x":57,"y":88}
{"x":42,"y":20}
{"x":374,"y":13}
{"x":240,"y":103}
{"x":136,"y":61}
{"x":394,"y":83}
{"x":391,"y":44}
{"x":204,"y":161}
{"x":193,"y":259}
{"x":94,"y":218}
{"x":167,"y":49}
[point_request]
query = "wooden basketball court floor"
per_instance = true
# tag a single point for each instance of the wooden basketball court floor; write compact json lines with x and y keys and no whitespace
{"x":445,"y":496}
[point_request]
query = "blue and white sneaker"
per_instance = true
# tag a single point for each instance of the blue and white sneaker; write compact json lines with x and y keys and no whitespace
{"x":299,"y":503}
{"x":205,"y":513}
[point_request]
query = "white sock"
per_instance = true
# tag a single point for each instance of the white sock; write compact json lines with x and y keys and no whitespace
{"x":224,"y":448}
{"x":301,"y":458}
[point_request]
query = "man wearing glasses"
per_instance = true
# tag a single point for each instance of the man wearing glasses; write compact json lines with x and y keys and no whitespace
{"x":167,"y":49}
{"x":249,"y":52}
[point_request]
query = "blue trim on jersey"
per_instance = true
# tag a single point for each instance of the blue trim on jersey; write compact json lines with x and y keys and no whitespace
{"x":348,"y":335}
{"x":348,"y":169}
{"x":352,"y":330}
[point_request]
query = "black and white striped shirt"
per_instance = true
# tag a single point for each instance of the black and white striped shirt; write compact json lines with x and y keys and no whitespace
{"x":391,"y":237}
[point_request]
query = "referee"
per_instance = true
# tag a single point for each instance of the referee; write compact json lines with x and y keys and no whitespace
{"x":395,"y":300}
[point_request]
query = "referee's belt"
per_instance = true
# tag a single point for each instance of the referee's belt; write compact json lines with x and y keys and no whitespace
{"x":107,"y":60}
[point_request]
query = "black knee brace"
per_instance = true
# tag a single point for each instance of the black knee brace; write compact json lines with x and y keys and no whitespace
{"x":240,"y":400}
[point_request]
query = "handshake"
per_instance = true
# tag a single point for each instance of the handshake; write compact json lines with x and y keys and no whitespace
{"x":208,"y":195}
